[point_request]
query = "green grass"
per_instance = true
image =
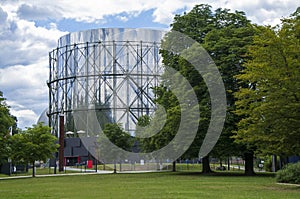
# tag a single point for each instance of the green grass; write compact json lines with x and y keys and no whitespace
{"x":39,"y":171}
{"x":148,"y":185}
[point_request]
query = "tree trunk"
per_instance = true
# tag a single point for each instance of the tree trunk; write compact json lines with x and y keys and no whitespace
{"x":249,"y":171}
{"x":205,"y":165}
{"x":33,"y":169}
{"x":174,"y":166}
{"x":228,"y":164}
{"x":115,"y":167}
{"x":274,"y":163}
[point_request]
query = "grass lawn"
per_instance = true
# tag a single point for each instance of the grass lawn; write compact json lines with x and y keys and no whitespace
{"x":39,"y":171}
{"x":148,"y":185}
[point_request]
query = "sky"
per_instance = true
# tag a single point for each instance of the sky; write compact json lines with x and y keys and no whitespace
{"x":30,"y":29}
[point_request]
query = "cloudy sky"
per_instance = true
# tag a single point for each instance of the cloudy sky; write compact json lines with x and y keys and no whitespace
{"x":29,"y":29}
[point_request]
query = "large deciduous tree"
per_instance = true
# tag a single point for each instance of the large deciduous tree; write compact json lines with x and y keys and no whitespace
{"x":227,"y":45}
{"x":168,"y":130}
{"x":225,"y":35}
{"x":270,"y":103}
{"x":7,"y":125}
{"x":34,"y":144}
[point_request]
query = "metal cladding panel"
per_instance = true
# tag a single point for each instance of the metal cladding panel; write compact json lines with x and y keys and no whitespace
{"x":111,"y":34}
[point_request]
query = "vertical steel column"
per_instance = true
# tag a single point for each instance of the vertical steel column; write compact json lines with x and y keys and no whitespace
{"x":50,"y":91}
{"x":86,"y":74}
{"x":114,"y":72}
{"x":127,"y":126}
{"x":57,"y":101}
{"x":155,"y":67}
{"x":95,"y":98}
{"x":65,"y":89}
{"x":141,"y":81}
{"x":75,"y":94}
{"x":104,"y":72}
{"x":138,"y":59}
{"x":100,"y":72}
{"x":87,"y":85}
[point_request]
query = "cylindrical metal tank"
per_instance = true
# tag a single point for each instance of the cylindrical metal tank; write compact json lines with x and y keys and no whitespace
{"x":111,"y":70}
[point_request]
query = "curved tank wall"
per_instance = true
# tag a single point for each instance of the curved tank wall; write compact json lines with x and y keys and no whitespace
{"x":111,"y":34}
{"x":110,"y":70}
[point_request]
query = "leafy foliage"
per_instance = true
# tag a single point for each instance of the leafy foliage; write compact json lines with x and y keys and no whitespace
{"x":269,"y":104}
{"x":33,"y":144}
{"x":227,"y":46}
{"x":110,"y":143}
{"x":117,"y":135}
{"x":225,"y":35}
{"x":7,"y":123}
{"x":289,"y":174}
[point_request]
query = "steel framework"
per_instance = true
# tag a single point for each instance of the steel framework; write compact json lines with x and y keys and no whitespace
{"x":114,"y":77}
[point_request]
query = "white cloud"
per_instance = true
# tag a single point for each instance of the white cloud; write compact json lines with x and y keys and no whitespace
{"x":24,"y":63}
{"x":26,"y":117}
{"x":33,"y":12}
{"x":26,"y":91}
{"x":122,"y":18}
{"x":93,"y":11}
{"x":3,"y":16}
{"x":20,"y":76}
{"x":26,"y":43}
{"x":268,"y":12}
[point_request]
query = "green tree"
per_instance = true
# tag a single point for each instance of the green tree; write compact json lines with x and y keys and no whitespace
{"x":8,"y":123}
{"x":117,"y":135}
{"x":114,"y":133}
{"x":225,"y":35}
{"x":269,"y":104}
{"x":17,"y":144}
{"x":173,"y":120}
{"x":227,"y":45}
{"x":34,"y":144}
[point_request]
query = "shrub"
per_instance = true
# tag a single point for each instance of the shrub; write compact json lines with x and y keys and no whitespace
{"x":289,"y":174}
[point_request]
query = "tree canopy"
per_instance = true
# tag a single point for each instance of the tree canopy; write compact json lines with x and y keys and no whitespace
{"x":113,"y":133}
{"x":34,"y":144}
{"x":8,"y":124}
{"x":225,"y":36}
{"x":269,"y":103}
{"x":227,"y":44}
